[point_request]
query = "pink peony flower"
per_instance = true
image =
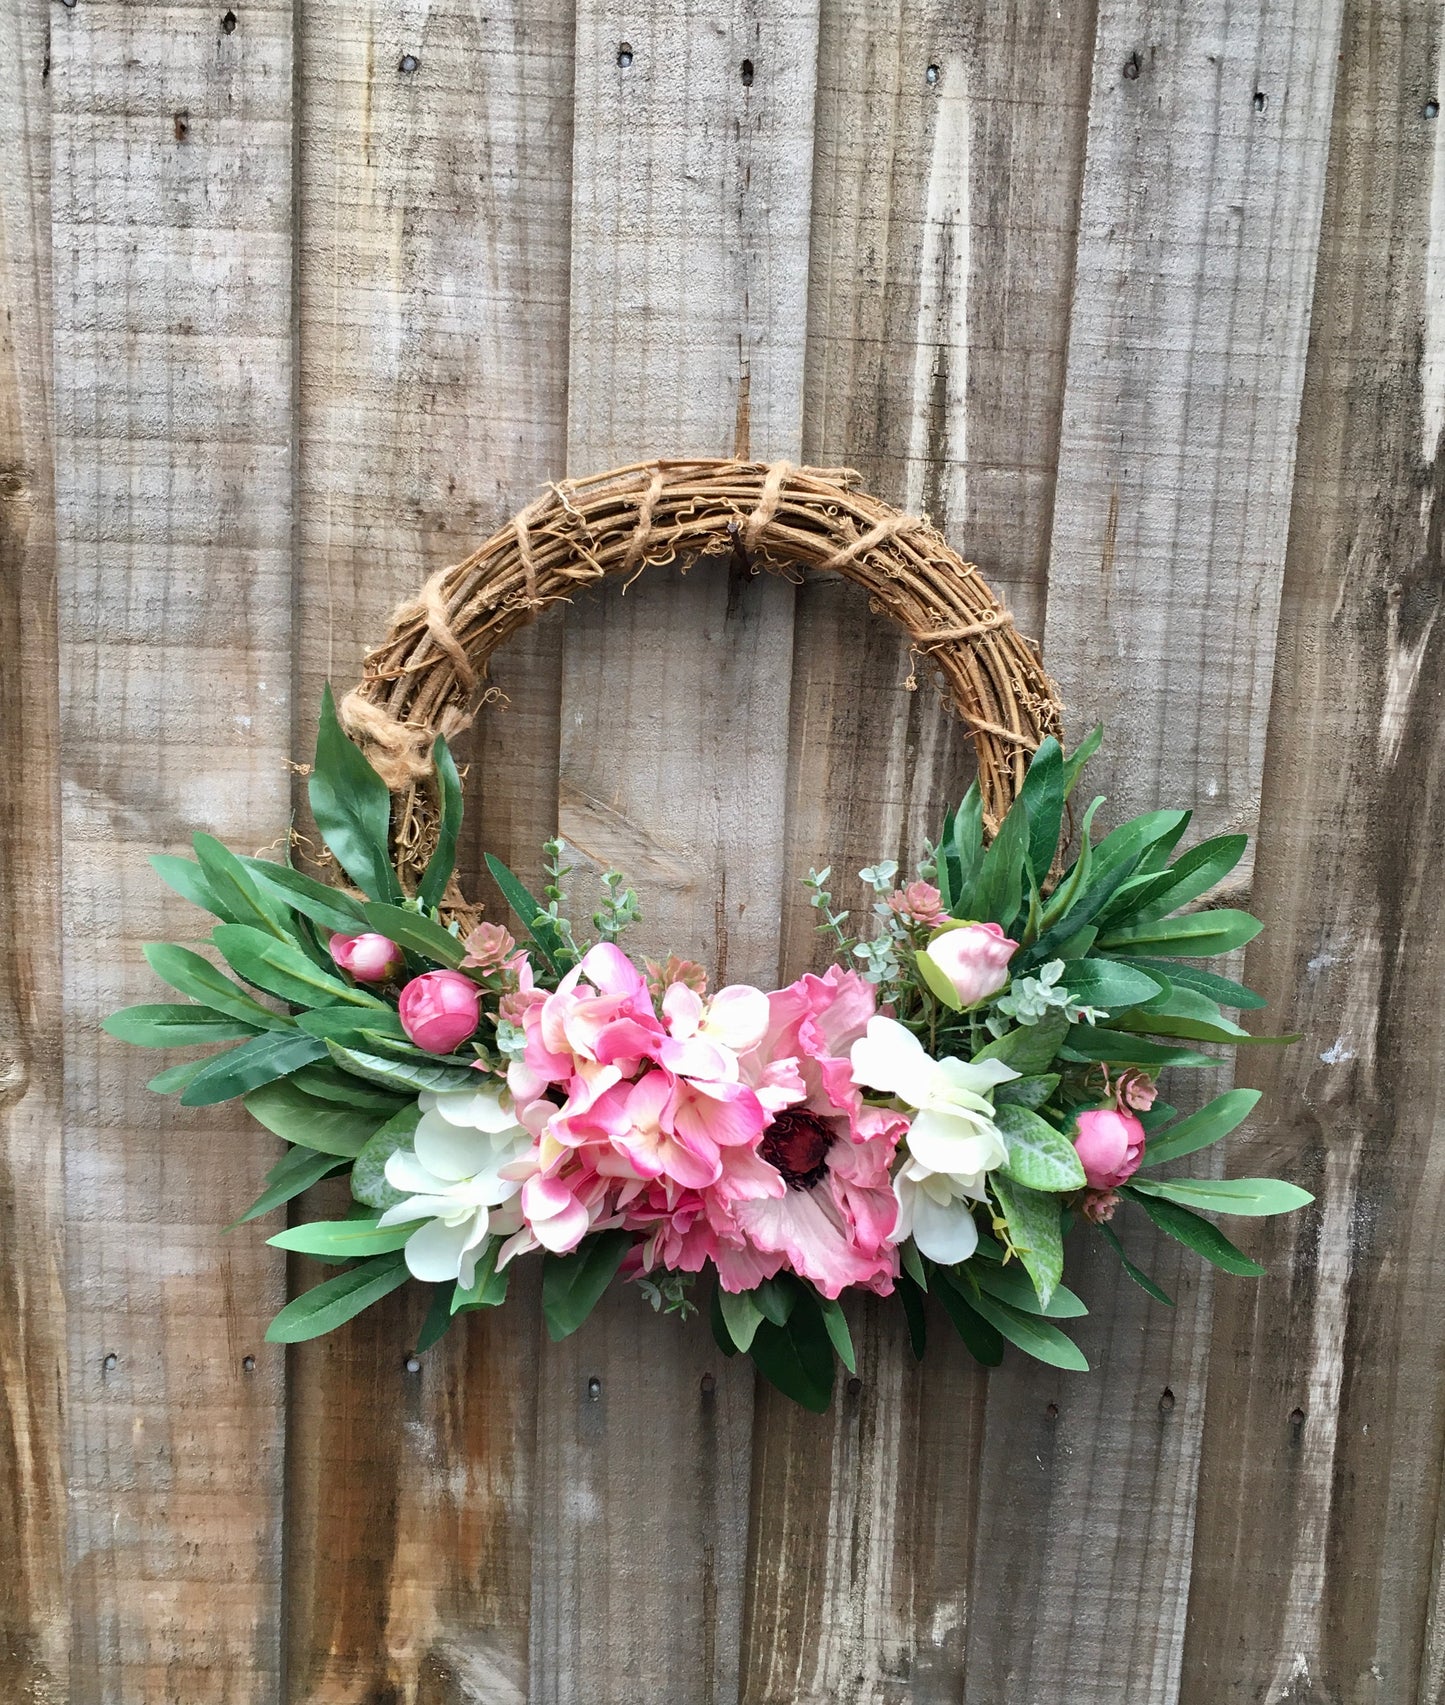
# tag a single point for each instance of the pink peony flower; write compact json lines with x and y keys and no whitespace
{"x":1110,"y":1145}
{"x":489,"y":947}
{"x":974,"y":958}
{"x":440,"y":1010}
{"x":370,"y":958}
{"x":919,"y":903}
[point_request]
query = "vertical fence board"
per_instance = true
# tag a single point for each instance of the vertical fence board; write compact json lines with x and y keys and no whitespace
{"x":34,"y":1621}
{"x":1321,"y":1466}
{"x":172,"y":253}
{"x":1198,"y":226}
{"x":945,"y":196}
{"x":435,"y":170}
{"x":692,"y":169}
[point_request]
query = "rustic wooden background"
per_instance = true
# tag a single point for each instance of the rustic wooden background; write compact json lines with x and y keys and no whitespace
{"x":1145,"y":304}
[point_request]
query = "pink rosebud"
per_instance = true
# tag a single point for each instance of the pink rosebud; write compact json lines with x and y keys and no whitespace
{"x":369,"y":958}
{"x":1110,"y":1146}
{"x":920,"y":903}
{"x":440,"y":1010}
{"x":974,"y":959}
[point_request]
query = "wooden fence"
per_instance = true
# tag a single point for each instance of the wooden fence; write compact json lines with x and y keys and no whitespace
{"x":1144,"y":303}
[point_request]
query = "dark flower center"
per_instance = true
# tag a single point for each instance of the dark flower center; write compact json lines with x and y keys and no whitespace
{"x":797,"y":1144}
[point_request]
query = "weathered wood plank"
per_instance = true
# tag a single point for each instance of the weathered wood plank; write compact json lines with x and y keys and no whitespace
{"x":1200,"y":212}
{"x":435,"y":174}
{"x":34,"y":1617}
{"x":1317,"y":1532}
{"x":944,"y":209}
{"x":690,"y":234}
{"x":172,"y":251}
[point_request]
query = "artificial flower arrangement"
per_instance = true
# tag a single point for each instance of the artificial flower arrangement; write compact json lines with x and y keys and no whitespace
{"x":970,"y":1079}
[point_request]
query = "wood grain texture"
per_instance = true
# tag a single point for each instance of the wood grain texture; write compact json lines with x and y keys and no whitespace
{"x":1198,"y":230}
{"x":690,"y":222}
{"x":34,"y":1617}
{"x":942,"y":260}
{"x":172,"y":252}
{"x":435,"y":185}
{"x":1316,"y":1560}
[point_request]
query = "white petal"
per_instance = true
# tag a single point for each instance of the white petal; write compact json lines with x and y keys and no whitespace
{"x":944,"y":1234}
{"x":452,"y":1151}
{"x":892,"y":1059}
{"x":471,"y":1254}
{"x":945,"y":1142}
{"x":904,"y":1190}
{"x":419,"y":1208}
{"x":435,"y":1252}
{"x":486,"y":1108}
{"x":738,"y":1017}
{"x":405,"y":1172}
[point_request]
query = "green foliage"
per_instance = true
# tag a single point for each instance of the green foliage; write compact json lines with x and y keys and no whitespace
{"x":342,"y":1240}
{"x":1200,"y":1235}
{"x":167,"y":1026}
{"x":983,"y":1341}
{"x":1254,"y":1197}
{"x":409,"y":929}
{"x":298,"y":1170}
{"x":1222,"y":1115}
{"x":352,"y":808}
{"x":334,"y":911}
{"x":368,"y":1173}
{"x":797,"y":1355}
{"x":1040,"y":1156}
{"x":1035,"y":1336}
{"x":741,"y":1316}
{"x":230,"y":883}
{"x":326,"y":1126}
{"x":1140,"y":1278}
{"x":1010,"y":1285}
{"x":1034,"y":1221}
{"x":282,"y":969}
{"x":239,"y":1070}
{"x":335,"y":1301}
{"x":412,"y":1075}
{"x":572,"y":1285}
{"x":442,"y":863}
{"x":488,"y":1288}
{"x":532,"y":915}
{"x":198,"y":978}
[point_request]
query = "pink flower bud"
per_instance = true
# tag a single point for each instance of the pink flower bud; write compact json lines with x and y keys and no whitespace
{"x":1110,"y":1146}
{"x":974,"y":959}
{"x":920,"y":903}
{"x":488,"y":947}
{"x":440,"y":1010}
{"x":369,"y":958}
{"x":1135,"y":1090}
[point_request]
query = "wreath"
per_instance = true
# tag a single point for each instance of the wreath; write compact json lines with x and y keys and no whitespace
{"x":970,"y":1079}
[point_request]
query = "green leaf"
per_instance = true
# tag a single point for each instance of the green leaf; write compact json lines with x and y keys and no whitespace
{"x":775,"y":1297}
{"x":1031,"y":1091}
{"x":912,"y":1263}
{"x":327,"y":1084}
{"x":1203,"y":867}
{"x":999,"y":889}
{"x":231,"y":884}
{"x":167,"y":1026}
{"x":572,"y":1285}
{"x":239,"y":1070}
{"x":282,"y":969}
{"x":1009,"y":1285}
{"x":411,"y":930}
{"x":982,"y":1341}
{"x":836,"y":1324}
{"x":488,"y":1288}
{"x":352,"y":808}
{"x":1105,"y":984}
{"x":1031,"y":1048}
{"x":1039,"y":1156}
{"x":1074,"y":763}
{"x":168,"y":1082}
{"x":797,"y":1357}
{"x":1209,"y":983}
{"x":438,"y":1320}
{"x":931,"y":975}
{"x":721,"y":1336}
{"x":1111,"y":863}
{"x":531,"y":914}
{"x":443,"y":860}
{"x":741,"y":1315}
{"x":323,"y":1125}
{"x":1200,"y":1129}
{"x":1193,"y":935}
{"x":1254,"y":1197}
{"x":1185,"y":1013}
{"x":187,"y":878}
{"x":1122,"y":1048}
{"x":368,"y":1174}
{"x":911,"y":1296}
{"x":323,"y":904}
{"x":1198,"y":1234}
{"x":1035,"y":1229}
{"x":411,"y":1075}
{"x":342,"y":1240}
{"x":298,"y":1170}
{"x":960,"y":853}
{"x":350,"y":1024}
{"x":334,"y":1302}
{"x":199,"y":978}
{"x":1137,"y":1274}
{"x":1034,"y":1336}
{"x":1043,"y":797}
{"x":1075,"y":882}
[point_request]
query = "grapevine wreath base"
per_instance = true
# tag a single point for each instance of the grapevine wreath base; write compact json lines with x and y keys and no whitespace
{"x":972,"y":1079}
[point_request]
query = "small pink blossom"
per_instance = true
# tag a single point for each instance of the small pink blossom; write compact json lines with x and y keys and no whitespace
{"x":488,"y":947}
{"x":919,"y":903}
{"x":1136,"y":1090}
{"x":440,"y":1010}
{"x":1110,"y":1146}
{"x":1098,"y":1206}
{"x":370,"y":958}
{"x":975,"y":960}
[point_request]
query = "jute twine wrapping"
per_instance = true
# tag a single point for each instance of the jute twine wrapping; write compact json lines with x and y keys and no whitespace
{"x":430,"y":673}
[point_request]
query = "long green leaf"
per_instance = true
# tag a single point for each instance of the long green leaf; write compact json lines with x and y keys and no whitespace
{"x":240,"y":1070}
{"x":1074,"y":763}
{"x":1043,"y":797}
{"x":1199,"y":1130}
{"x":741,"y":1315}
{"x":1192,"y":935}
{"x":1034,"y":1336}
{"x":1054,"y":927}
{"x":982,"y":1341}
{"x":488,"y":1288}
{"x":1039,"y":1156}
{"x":174,"y":1026}
{"x":1035,"y":1229}
{"x":910,"y":1294}
{"x":1254,"y":1197}
{"x":231,"y":883}
{"x":1031,"y":1048}
{"x":442,"y":863}
{"x":350,"y":1024}
{"x":1106,"y":985}
{"x":1200,"y":1235}
{"x":199,"y":978}
{"x":999,"y":889}
{"x":284,"y":970}
{"x":1137,"y":1274}
{"x":1203,"y":867}
{"x":177,"y":1077}
{"x":412,"y":1075}
{"x":301,"y":1119}
{"x":323,"y":904}
{"x":368,"y":1173}
{"x":797,"y":1357}
{"x":1220,"y":989}
{"x":835,"y":1323}
{"x":187,"y":878}
{"x":326,"y":1083}
{"x":297,"y":1171}
{"x":352,"y":808}
{"x":1121,"y":1047}
{"x":342,"y":1240}
{"x":334,"y":1302}
{"x":531,"y":914}
{"x":411,"y":930}
{"x":572,"y":1285}
{"x":1009,"y":1285}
